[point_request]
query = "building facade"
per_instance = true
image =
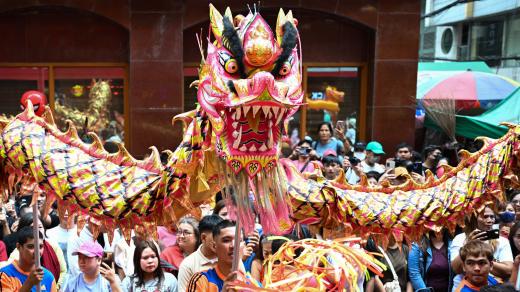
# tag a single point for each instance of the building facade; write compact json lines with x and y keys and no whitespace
{"x":486,"y":30}
{"x":147,"y":49}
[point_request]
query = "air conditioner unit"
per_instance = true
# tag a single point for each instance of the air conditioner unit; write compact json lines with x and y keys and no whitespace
{"x":446,"y":43}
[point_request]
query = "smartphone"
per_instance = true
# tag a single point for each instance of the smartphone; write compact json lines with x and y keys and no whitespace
{"x":491,"y":234}
{"x":390,"y":164}
{"x":417,"y":168}
{"x":340,"y":124}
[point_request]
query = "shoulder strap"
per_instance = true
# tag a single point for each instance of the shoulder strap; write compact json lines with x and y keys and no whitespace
{"x":305,"y":165}
{"x":389,"y":263}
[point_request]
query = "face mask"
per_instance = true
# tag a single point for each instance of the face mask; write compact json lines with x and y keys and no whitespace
{"x":359,"y":155}
{"x":507,"y":217}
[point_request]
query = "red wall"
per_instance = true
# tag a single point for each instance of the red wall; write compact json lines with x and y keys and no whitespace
{"x":338,"y":40}
{"x":52,"y":34}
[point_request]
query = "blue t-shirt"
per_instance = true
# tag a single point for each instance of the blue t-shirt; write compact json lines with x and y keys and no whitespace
{"x":333,"y":144}
{"x":78,"y":284}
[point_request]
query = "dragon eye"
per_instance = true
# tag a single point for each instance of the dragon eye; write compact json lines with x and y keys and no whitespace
{"x":286,"y":68}
{"x":231,"y":66}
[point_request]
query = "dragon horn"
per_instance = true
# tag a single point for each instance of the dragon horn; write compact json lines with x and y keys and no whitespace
{"x":217,"y":25}
{"x":228,"y":14}
{"x":280,"y":21}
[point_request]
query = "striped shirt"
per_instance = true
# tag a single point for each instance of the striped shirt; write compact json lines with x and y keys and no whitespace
{"x":211,"y":280}
{"x":12,"y":279}
{"x":466,"y":286}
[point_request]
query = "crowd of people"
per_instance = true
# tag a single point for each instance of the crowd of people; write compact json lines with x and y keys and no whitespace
{"x":197,"y":255}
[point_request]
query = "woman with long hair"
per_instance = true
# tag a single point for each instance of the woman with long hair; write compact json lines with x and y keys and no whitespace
{"x":514,"y":239}
{"x":148,"y":275}
{"x":188,"y":240}
{"x":429,"y":262}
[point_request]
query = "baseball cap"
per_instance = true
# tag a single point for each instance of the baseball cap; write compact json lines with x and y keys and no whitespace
{"x":400,"y":171}
{"x":329,"y":152}
{"x":359,"y":146}
{"x":375,"y":147}
{"x":90,"y":249}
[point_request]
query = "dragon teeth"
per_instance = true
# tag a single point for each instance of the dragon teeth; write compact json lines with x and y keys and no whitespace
{"x":265,"y":109}
{"x":263,"y":147}
{"x":256,"y":108}
{"x":275,"y":111}
{"x":239,"y":110}
{"x":252,"y":148}
{"x":235,"y":134}
{"x":238,"y":139}
{"x":243,"y":148}
{"x":246,"y":109}
{"x":270,"y":141}
{"x":280,"y":116}
{"x":235,"y":124}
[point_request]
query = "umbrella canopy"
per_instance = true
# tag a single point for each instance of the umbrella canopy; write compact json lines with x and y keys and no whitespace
{"x":469,"y":88}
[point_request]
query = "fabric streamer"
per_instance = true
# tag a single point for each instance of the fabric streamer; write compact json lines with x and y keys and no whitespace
{"x":315,"y":265}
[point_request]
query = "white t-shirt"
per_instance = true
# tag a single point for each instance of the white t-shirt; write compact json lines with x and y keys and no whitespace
{"x":62,"y":236}
{"x":502,"y":253}
{"x":169,"y":284}
{"x":376,"y":167}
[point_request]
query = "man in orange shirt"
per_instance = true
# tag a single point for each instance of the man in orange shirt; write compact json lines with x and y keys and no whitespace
{"x":213,"y":280}
{"x":22,"y":275}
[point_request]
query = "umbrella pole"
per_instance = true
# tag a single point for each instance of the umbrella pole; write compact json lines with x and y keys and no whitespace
{"x":36,"y":235}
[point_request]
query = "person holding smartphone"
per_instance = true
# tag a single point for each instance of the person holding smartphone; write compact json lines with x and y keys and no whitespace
{"x":479,"y":226}
{"x":303,"y":152}
{"x":352,"y":169}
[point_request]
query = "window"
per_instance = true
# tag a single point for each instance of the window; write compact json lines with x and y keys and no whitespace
{"x":93,"y":97}
{"x":324,"y":87}
{"x":17,"y":80}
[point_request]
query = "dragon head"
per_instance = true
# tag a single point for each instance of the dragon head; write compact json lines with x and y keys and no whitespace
{"x":249,"y":84}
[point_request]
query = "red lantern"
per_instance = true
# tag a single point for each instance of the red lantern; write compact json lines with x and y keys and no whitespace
{"x":37,"y":99}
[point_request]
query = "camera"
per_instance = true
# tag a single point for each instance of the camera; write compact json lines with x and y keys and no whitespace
{"x":304,"y":151}
{"x":354,"y":160}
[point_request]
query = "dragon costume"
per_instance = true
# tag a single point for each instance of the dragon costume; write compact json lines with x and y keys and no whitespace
{"x":250,"y":84}
{"x":96,"y":114}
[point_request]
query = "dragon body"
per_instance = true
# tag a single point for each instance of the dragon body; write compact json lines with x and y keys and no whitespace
{"x":250,"y":84}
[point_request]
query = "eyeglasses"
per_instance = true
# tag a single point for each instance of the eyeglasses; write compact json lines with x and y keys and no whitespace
{"x":184,"y":233}
{"x":515,"y":202}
